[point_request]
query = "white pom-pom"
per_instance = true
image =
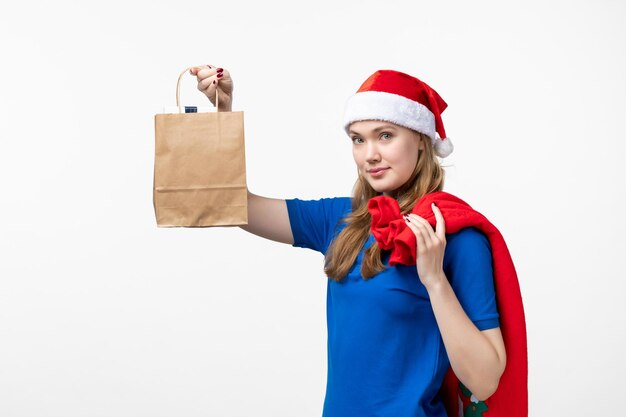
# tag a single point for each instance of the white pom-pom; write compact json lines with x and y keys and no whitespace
{"x":443,"y":147}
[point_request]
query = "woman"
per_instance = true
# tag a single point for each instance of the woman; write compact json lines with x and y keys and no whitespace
{"x":409,"y":303}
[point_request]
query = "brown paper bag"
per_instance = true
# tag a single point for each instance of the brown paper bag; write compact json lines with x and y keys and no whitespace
{"x":199,"y":168}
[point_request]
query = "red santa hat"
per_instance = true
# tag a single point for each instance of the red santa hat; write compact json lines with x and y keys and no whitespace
{"x":402,"y":99}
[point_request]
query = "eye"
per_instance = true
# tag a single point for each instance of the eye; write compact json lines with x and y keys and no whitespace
{"x":389,"y":135}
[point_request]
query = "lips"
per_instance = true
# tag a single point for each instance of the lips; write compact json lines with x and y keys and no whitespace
{"x":378,"y":173}
{"x":375,"y":170}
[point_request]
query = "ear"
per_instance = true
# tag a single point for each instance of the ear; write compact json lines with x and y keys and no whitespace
{"x":420,"y":141}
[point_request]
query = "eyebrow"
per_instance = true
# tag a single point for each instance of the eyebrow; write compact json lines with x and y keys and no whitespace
{"x":377,"y":129}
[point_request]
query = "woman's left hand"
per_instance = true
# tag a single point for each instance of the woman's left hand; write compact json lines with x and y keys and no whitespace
{"x":431,"y":245}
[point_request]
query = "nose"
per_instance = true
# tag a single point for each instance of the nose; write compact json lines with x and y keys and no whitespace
{"x":372,"y":156}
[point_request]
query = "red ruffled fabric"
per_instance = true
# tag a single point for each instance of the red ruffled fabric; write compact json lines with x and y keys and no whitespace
{"x":392,"y":233}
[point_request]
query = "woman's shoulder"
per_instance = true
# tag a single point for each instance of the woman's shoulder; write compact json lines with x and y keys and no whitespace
{"x":337,"y":203}
{"x":467,"y":234}
{"x":467,"y":240}
{"x":329,"y":207}
{"x":337,"y":199}
{"x":467,"y":246}
{"x":341,"y":205}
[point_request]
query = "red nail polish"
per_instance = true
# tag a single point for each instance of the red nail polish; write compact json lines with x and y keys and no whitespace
{"x":220,"y":69}
{"x":219,"y":75}
{"x":214,"y":81}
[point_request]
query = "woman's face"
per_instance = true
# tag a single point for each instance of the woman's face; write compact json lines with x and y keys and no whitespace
{"x":379,"y":144}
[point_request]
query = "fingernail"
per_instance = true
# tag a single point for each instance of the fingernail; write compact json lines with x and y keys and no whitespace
{"x":219,"y":75}
{"x":209,"y":66}
{"x":220,"y":69}
{"x":214,"y":81}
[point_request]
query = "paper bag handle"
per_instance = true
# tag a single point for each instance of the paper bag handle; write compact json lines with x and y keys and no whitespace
{"x":180,"y":108}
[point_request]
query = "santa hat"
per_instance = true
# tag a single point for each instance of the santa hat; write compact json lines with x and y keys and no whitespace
{"x":402,"y":99}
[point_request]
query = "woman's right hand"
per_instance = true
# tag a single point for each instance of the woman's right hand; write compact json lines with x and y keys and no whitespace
{"x":209,"y":80}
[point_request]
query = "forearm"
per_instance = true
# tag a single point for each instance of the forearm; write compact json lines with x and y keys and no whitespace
{"x":472,"y":357}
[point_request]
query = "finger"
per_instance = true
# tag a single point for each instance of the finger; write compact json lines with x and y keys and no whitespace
{"x":208,"y":82}
{"x":214,"y":79}
{"x":421,"y":244}
{"x":194,"y":70}
{"x":221,"y":73}
{"x":210,"y":90}
{"x":441,"y":223}
{"x":225,"y":74}
{"x":428,"y":229}
{"x":205,"y":72}
{"x":415,"y":220}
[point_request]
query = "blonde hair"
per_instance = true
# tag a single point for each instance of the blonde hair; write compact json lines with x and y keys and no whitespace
{"x":427,"y":177}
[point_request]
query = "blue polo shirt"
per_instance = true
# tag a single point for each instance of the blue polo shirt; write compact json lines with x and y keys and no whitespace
{"x":386,"y":357}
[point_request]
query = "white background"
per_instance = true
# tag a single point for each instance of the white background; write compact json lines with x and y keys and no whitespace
{"x":104,"y":314}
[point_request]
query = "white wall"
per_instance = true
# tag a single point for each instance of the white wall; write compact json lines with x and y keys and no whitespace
{"x":104,"y":314}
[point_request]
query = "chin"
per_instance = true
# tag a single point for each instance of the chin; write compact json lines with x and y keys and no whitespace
{"x":383,"y":191}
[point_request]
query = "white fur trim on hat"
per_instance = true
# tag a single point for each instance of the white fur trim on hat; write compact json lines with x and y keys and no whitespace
{"x":380,"y":105}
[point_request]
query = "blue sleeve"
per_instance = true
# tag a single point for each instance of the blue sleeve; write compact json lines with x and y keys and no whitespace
{"x":468,"y":264}
{"x":313,"y":222}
